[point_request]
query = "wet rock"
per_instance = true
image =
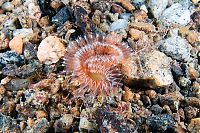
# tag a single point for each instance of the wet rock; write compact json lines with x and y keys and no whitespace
{"x":119,"y":24}
{"x":16,"y":44}
{"x":50,"y":50}
{"x":161,"y":122}
{"x":64,"y":123}
{"x":61,"y":17}
{"x":155,"y":71}
{"x":17,"y":84}
{"x":156,"y":109}
{"x":176,"y":14}
{"x":176,"y":47}
{"x":41,"y":126}
{"x":7,"y":124}
{"x":157,"y":7}
{"x":10,"y":57}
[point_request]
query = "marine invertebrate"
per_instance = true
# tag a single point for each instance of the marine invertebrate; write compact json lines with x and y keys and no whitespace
{"x":94,"y":62}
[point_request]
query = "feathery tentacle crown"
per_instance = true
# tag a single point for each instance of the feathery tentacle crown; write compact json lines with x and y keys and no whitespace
{"x":93,"y":61}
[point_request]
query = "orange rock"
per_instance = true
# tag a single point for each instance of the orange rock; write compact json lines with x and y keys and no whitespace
{"x":136,"y":34}
{"x":16,"y":44}
{"x":126,"y":4}
{"x":128,"y":95}
{"x":41,"y":114}
{"x":50,"y":50}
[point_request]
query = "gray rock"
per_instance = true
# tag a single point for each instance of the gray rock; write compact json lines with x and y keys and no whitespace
{"x":10,"y":57}
{"x":7,"y":124}
{"x":125,"y":16}
{"x":119,"y":24}
{"x":64,"y":123}
{"x":160,"y":122}
{"x":61,"y":17}
{"x":7,"y":6}
{"x":176,"y":14}
{"x":17,"y":84}
{"x":157,"y":7}
{"x":176,"y":47}
{"x":41,"y":126}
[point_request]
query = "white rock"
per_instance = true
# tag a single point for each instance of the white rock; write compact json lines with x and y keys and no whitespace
{"x":24,"y":32}
{"x":157,"y":7}
{"x":175,"y":15}
{"x":119,"y":24}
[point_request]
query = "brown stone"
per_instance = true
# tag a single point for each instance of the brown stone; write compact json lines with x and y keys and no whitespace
{"x":16,"y":44}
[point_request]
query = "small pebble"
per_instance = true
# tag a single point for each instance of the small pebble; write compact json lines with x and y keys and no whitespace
{"x":119,"y":24}
{"x":50,"y":50}
{"x":41,"y":125}
{"x":136,"y":34}
{"x":194,"y":125}
{"x":127,"y":95}
{"x":126,"y":4}
{"x":61,"y":17}
{"x":7,"y":6}
{"x":160,"y":122}
{"x":176,"y":47}
{"x":16,"y":44}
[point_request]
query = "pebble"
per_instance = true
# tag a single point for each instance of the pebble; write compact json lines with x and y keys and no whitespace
{"x":176,"y":47}
{"x":157,"y":7}
{"x":50,"y":50}
{"x":29,"y":52}
{"x":24,"y":33}
{"x":41,"y":114}
{"x":17,"y":84}
{"x":7,"y":6}
{"x":8,"y":124}
{"x":127,"y":95}
{"x":156,"y":109}
{"x":160,"y":122}
{"x":61,"y":17}
{"x":119,"y":24}
{"x":195,"y":1}
{"x":136,"y":34}
{"x":194,"y":126}
{"x":190,"y":112}
{"x":126,"y":4}
{"x":16,"y":44}
{"x":10,"y":57}
{"x":193,"y":37}
{"x":34,"y":11}
{"x":64,"y":123}
{"x":176,"y":14}
{"x":193,"y":101}
{"x":4,"y":41}
{"x":125,"y":16}
{"x":41,"y":126}
{"x":85,"y":124}
{"x":193,"y":74}
{"x":155,"y":72}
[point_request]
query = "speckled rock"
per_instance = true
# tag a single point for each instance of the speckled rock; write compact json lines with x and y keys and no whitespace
{"x":64,"y":123}
{"x":194,"y":126}
{"x":50,"y":50}
{"x":17,"y":84}
{"x":176,"y":47}
{"x":161,"y":122}
{"x":24,"y":33}
{"x":34,"y":11}
{"x":155,"y":71}
{"x":10,"y":57}
{"x":157,"y":7}
{"x":16,"y":44}
{"x":41,"y":125}
{"x":7,"y":124}
{"x":176,"y":14}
